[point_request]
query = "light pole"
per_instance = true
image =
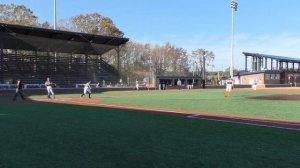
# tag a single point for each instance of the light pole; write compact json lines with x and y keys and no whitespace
{"x":54,"y":26}
{"x":234,"y":6}
{"x":54,"y":15}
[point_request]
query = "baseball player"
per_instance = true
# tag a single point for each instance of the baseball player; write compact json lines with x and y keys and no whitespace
{"x":49,"y":85}
{"x":229,"y":85}
{"x":254,"y":85}
{"x":19,"y":90}
{"x":87,"y":89}
{"x":179,"y":84}
{"x":137,"y":84}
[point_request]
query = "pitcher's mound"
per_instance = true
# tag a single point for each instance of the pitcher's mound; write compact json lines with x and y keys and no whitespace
{"x":277,"y":97}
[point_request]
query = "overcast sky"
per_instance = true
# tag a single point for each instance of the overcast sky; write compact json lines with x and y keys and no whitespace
{"x":262,"y":26}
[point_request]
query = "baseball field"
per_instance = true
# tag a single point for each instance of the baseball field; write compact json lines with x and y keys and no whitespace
{"x":172,"y":128}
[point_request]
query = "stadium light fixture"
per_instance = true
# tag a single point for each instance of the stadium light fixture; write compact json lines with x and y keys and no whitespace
{"x":234,"y":6}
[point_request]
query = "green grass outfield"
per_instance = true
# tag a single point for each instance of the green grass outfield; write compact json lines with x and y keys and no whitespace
{"x":58,"y":135}
{"x":209,"y":101}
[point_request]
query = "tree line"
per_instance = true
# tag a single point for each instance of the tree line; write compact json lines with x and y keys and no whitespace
{"x":137,"y":59}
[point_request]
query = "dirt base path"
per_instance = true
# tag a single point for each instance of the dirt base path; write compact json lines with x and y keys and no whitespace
{"x":249,"y":120}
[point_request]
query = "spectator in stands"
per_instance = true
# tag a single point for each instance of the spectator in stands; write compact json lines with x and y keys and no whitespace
{"x":19,"y":90}
{"x":103,"y":83}
{"x":87,"y":89}
{"x":121,"y":82}
{"x":49,"y":85}
{"x":98,"y":85}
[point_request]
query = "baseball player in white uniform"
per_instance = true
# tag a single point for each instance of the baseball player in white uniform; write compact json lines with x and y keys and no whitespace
{"x":254,"y":85}
{"x":229,"y":84}
{"x":137,"y":85}
{"x":48,"y":85}
{"x":87,"y":89}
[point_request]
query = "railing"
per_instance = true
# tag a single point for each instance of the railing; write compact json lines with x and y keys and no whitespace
{"x":35,"y":69}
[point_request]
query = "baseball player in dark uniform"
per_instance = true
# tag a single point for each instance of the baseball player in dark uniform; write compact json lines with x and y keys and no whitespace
{"x":19,"y":90}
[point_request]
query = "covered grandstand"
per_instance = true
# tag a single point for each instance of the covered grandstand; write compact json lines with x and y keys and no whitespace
{"x":33,"y":54}
{"x":269,"y":70}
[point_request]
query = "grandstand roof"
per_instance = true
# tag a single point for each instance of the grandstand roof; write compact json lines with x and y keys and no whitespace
{"x":176,"y":77}
{"x":279,"y":58}
{"x":40,"y":39}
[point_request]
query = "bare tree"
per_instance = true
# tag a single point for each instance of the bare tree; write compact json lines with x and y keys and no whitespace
{"x":93,"y":23}
{"x":204,"y":58}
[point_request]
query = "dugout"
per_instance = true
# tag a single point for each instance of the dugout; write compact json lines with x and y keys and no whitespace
{"x":170,"y":82}
{"x":33,"y":54}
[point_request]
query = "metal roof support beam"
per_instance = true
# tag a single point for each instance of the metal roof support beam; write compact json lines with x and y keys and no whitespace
{"x":35,"y":62}
{"x":266,"y":63}
{"x":253,"y":63}
{"x":246,"y":63}
{"x":258,"y":63}
{"x":2,"y":65}
{"x":118,"y":58}
{"x":271,"y":63}
{"x":109,"y":41}
{"x":48,"y":64}
{"x":70,"y":62}
{"x":86,"y":57}
{"x":293,"y":66}
{"x":99,"y":57}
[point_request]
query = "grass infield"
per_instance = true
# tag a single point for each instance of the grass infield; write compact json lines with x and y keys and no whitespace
{"x":58,"y":135}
